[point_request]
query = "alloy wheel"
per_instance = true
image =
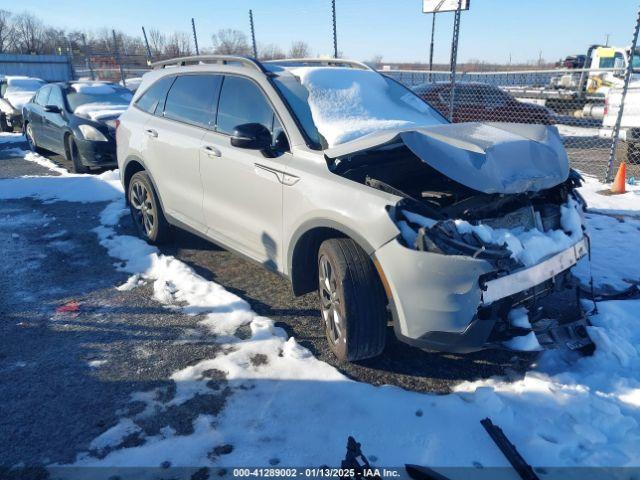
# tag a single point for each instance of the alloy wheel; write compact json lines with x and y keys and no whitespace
{"x":144,"y":211}
{"x":330,"y":300}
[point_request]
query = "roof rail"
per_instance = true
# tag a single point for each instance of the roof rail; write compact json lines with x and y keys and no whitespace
{"x":328,"y":62}
{"x":198,"y":59}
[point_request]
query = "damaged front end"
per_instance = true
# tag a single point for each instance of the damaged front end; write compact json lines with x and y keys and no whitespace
{"x":475,"y":245}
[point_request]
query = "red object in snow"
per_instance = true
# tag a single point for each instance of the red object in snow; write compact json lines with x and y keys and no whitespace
{"x":71,"y":306}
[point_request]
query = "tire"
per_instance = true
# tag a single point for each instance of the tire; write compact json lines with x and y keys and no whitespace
{"x":28,"y":133}
{"x":146,"y":211}
{"x":349,"y":286}
{"x":4,"y":126}
{"x":76,"y":162}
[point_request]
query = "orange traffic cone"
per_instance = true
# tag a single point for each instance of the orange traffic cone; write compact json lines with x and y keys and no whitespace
{"x":618,"y":185}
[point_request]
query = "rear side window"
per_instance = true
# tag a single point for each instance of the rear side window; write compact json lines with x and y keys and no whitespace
{"x":155,"y":95}
{"x":241,"y":101}
{"x":192,"y":99}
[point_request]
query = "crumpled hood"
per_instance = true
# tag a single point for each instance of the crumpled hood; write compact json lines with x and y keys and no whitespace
{"x":100,"y":112}
{"x":488,"y":157}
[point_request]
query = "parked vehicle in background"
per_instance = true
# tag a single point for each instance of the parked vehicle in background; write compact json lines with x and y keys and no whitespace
{"x":630,"y":122}
{"x":132,"y":83}
{"x":346,"y":182}
{"x":15,"y":91}
{"x":479,"y":102}
{"x":77,"y":120}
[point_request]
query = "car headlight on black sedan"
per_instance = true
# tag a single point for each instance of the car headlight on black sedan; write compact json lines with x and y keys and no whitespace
{"x":92,"y":134}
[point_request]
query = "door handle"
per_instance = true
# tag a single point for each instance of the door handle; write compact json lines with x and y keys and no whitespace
{"x":211,"y":151}
{"x":151,"y":132}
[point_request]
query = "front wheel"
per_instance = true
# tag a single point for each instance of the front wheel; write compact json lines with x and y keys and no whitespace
{"x":76,"y":161}
{"x":4,"y":125}
{"x":33,"y":146}
{"x":146,"y":211}
{"x":352,"y":300}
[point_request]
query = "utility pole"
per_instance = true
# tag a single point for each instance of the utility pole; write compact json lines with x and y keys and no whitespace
{"x":335,"y":34}
{"x":117,"y":55}
{"x":146,"y":42}
{"x":454,"y":58}
{"x":195,"y":36}
{"x":433,"y":31}
{"x":253,"y":35}
{"x":606,"y":42}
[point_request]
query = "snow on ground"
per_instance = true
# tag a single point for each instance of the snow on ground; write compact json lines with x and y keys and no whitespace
{"x":357,"y":102}
{"x":613,"y":224}
{"x":288,"y":408}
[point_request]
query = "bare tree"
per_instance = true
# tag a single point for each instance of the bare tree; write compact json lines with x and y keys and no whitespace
{"x":270,"y":52}
{"x":6,"y":31}
{"x":299,"y":49}
{"x":230,"y":42}
{"x":375,"y":61}
{"x":178,"y":45}
{"x":157,"y":42}
{"x":29,"y":33}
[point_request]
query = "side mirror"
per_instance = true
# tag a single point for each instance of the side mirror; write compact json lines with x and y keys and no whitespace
{"x":52,"y":109}
{"x":253,"y":136}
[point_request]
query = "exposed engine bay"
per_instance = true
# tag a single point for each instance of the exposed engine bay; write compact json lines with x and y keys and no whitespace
{"x":511,"y":231}
{"x":439,"y":210}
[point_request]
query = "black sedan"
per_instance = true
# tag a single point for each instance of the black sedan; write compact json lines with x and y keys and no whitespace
{"x":77,"y":120}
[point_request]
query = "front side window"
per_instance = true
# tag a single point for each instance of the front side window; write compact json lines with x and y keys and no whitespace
{"x":192,"y":99}
{"x":55,"y":98}
{"x":241,"y":101}
{"x":42,"y":97}
{"x":155,"y":96}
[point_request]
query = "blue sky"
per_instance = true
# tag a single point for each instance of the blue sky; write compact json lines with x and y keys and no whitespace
{"x":491,"y":30}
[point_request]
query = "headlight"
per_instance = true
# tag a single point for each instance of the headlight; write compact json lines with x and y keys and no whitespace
{"x":92,"y":133}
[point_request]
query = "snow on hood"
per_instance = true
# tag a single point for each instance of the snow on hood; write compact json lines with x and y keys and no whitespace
{"x":21,"y":89}
{"x":100,"y":111}
{"x":93,"y":88}
{"x":19,"y":98}
{"x":347,"y":103}
{"x":488,"y":157}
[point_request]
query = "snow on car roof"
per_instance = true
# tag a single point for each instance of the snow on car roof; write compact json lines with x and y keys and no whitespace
{"x":96,"y":88}
{"x":30,"y":84}
{"x":347,"y":103}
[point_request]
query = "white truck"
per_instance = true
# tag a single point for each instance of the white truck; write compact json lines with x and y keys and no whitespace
{"x":630,"y":122}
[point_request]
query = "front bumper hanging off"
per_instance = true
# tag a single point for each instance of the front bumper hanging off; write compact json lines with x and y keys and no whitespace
{"x":449,"y":302}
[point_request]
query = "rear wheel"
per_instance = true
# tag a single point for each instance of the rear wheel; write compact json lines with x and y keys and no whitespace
{"x":146,"y":211}
{"x":76,"y":162}
{"x":352,"y":300}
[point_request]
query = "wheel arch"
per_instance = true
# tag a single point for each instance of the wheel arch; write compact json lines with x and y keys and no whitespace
{"x":133,"y":165}
{"x":302,"y":257}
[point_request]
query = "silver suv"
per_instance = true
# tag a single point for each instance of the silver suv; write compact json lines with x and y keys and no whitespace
{"x":345,"y":182}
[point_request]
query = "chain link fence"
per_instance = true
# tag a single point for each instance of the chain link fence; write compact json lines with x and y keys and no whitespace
{"x":582,"y":103}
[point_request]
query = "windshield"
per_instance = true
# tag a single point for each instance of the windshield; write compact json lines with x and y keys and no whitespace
{"x":103,"y":94}
{"x":336,"y":105}
{"x":636,"y":61}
